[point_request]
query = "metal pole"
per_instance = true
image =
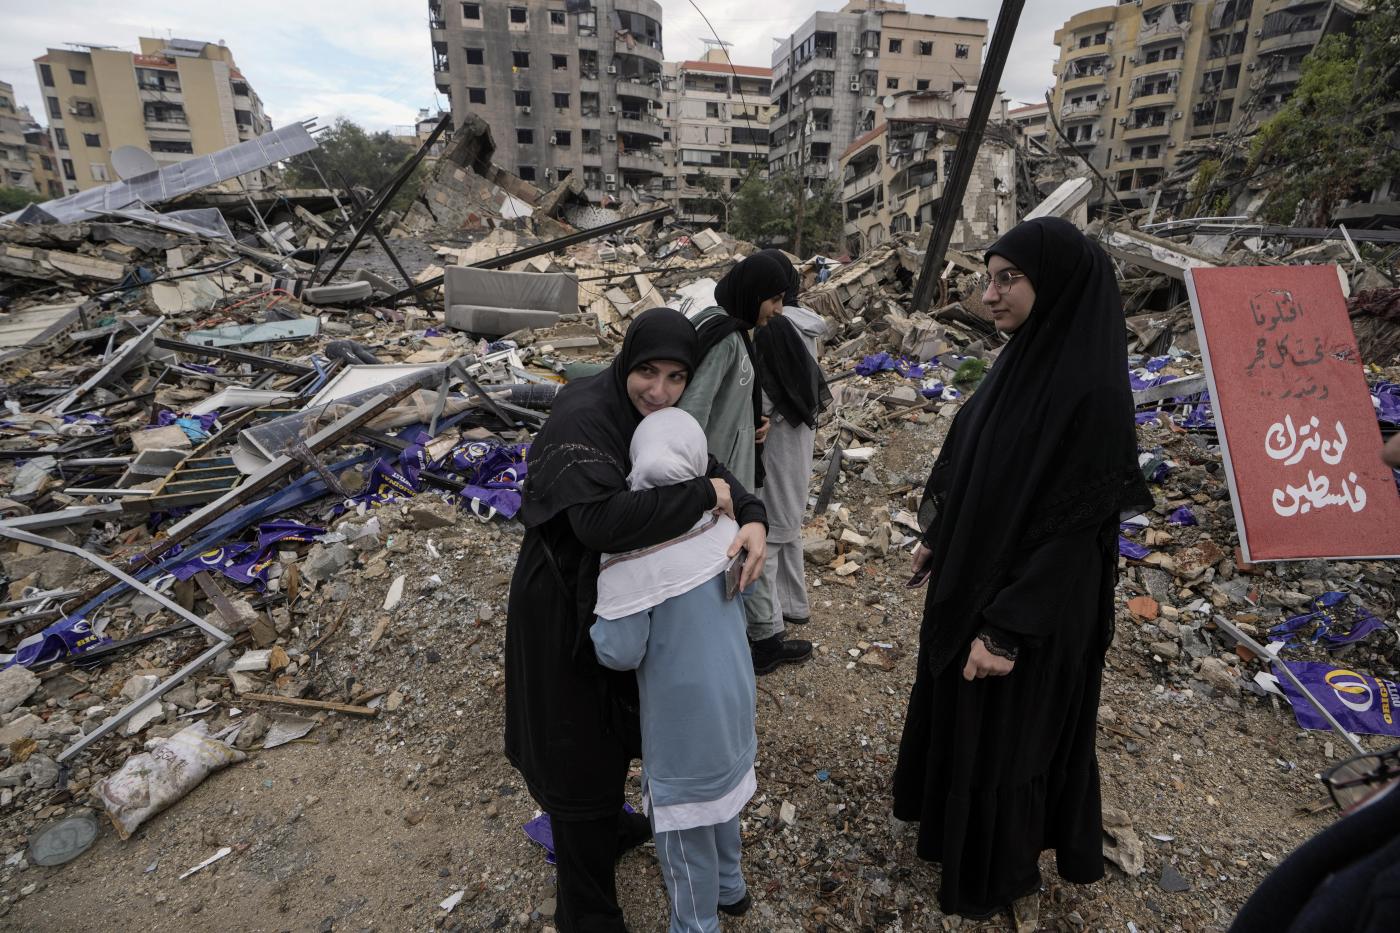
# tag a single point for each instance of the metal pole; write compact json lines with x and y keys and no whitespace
{"x":955,"y":184}
{"x":1282,"y":668}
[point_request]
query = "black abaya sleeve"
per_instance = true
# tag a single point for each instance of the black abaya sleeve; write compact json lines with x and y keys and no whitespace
{"x":1031,"y":600}
{"x":628,"y":520}
{"x":747,"y":507}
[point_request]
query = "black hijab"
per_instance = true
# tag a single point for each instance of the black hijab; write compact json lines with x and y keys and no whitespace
{"x":789,"y":374}
{"x":582,"y":454}
{"x":1047,"y":445}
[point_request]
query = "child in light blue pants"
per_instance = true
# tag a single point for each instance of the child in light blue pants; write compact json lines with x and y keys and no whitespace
{"x":663,"y":611}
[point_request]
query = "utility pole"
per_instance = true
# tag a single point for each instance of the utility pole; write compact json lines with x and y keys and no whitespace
{"x":955,"y":185}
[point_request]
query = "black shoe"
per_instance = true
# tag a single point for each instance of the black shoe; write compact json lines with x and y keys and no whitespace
{"x":789,"y":620}
{"x":739,"y":907}
{"x":770,"y":652}
{"x":633,"y":829}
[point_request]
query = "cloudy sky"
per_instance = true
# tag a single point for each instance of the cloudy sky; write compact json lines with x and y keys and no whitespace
{"x":369,"y":59}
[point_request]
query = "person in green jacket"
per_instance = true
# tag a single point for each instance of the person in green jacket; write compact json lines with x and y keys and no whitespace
{"x":724,"y":395}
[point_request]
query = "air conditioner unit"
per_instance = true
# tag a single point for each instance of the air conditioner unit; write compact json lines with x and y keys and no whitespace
{"x":1098,"y":133}
{"x":1122,"y":121}
{"x":1258,"y":33}
{"x":525,"y":110}
{"x":1171,"y":144}
{"x":856,"y":51}
{"x":1176,"y":115}
{"x":553,"y":141}
{"x":855,"y":86}
{"x":1118,"y":157}
{"x":612,"y":110}
{"x":610,"y":178}
{"x":1249,"y":67}
{"x":1132,"y":59}
{"x":612,"y":137}
{"x":612,"y":69}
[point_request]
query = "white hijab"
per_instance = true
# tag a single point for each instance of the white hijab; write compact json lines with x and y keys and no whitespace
{"x":668,"y":447}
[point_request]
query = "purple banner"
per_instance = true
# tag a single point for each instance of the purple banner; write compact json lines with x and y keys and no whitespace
{"x":1334,"y":621}
{"x":65,"y":638}
{"x":1360,"y":702}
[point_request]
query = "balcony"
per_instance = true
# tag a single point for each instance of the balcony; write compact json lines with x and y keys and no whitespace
{"x":1100,"y":48}
{"x":640,"y":160}
{"x":639,"y":49}
{"x":1292,"y":37}
{"x":641,"y":125}
{"x":1165,"y":28}
{"x":632,"y":87}
{"x":1089,"y":77}
{"x":1083,"y":108}
{"x":859,"y":185}
{"x":1081,"y":144}
{"x":1146,"y":130}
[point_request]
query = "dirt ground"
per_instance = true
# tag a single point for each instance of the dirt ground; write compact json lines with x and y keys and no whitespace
{"x":371,"y":824}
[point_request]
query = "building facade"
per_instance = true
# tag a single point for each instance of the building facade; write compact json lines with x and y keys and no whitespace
{"x":1032,"y":121}
{"x":15,"y":168}
{"x":564,"y":92}
{"x":892,"y":177}
{"x":175,"y":99}
{"x":1140,"y":82}
{"x":717,"y":118}
{"x":833,"y":76}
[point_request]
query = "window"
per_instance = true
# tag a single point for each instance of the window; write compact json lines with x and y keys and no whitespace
{"x":243,"y":117}
{"x":476,"y":95}
{"x":561,"y":100}
{"x":527,"y":173}
{"x":557,"y":18}
{"x":69,"y":172}
{"x":240,"y":89}
{"x":921,"y":84}
{"x":98,"y":171}
{"x":525,"y":137}
{"x":522,"y":98}
{"x":77,"y":76}
{"x":1154,"y":150}
{"x":896,"y":45}
{"x":1135,"y":153}
{"x":46,"y":75}
{"x":961,"y":51}
{"x":925,"y":48}
{"x":559,"y":62}
{"x":471,"y":12}
{"x":92,"y":140}
{"x":562,"y":138}
{"x":891,"y":84}
{"x":1125,"y":181}
{"x":172,"y":145}
{"x":60,"y":137}
{"x":55,"y":108}
{"x":476,"y":56}
{"x":712,"y":110}
{"x":520,"y":59}
{"x":161,"y":112}
{"x":46,"y":162}
{"x":519,"y":14}
{"x":83,"y":108}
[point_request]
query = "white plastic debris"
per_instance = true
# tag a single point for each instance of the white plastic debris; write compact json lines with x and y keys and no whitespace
{"x":395,"y":594}
{"x":225,"y":851}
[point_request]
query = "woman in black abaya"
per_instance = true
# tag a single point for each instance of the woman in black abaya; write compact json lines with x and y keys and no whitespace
{"x":571,"y":725}
{"x":997,"y":761}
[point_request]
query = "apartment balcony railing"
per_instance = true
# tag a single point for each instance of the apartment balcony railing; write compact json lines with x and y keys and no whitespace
{"x":1083,"y":107}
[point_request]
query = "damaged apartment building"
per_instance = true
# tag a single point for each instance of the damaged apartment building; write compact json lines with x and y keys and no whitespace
{"x":1145,"y":88}
{"x":566,"y":90}
{"x":892,"y":177}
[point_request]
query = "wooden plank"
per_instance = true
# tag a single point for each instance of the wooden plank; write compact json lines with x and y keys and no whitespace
{"x":310,"y":704}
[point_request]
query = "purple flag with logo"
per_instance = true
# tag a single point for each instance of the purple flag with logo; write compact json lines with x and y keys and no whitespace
{"x":66,"y":637}
{"x":1360,"y":702}
{"x":1334,"y":621}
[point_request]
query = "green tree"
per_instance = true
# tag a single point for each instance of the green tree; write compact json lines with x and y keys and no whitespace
{"x":12,"y":199}
{"x":766,"y":213}
{"x":1330,"y":140}
{"x":718,"y":198}
{"x":349,"y":155}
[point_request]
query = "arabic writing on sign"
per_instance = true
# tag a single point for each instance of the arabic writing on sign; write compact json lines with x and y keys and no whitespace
{"x":1283,"y":442}
{"x":1290,"y":444}
{"x":1281,"y":354}
{"x":1275,"y":306}
{"x":1317,"y":494}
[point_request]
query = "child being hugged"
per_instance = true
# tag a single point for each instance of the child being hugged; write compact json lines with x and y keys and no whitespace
{"x":664,"y":612}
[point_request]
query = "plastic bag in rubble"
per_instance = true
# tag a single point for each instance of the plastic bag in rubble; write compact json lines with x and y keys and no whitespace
{"x":168,"y":770}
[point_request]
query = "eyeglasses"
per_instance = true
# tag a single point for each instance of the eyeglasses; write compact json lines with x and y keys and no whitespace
{"x":1357,"y":778}
{"x":1005,"y":279}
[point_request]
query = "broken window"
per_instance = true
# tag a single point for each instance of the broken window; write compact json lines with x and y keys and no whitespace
{"x":961,"y":51}
{"x":172,"y":145}
{"x":562,"y":138}
{"x":519,"y":14}
{"x":519,"y":59}
{"x":527,"y":173}
{"x":925,"y":48}
{"x":525,"y":137}
{"x":921,"y":84}
{"x":84,"y":108}
{"x":77,"y":76}
{"x":559,"y":62}
{"x":471,"y":12}
{"x":243,"y":117}
{"x":476,"y":95}
{"x":561,"y":101}
{"x":46,"y":75}
{"x":92,"y":140}
{"x":891,"y":84}
{"x":896,"y":46}
{"x":557,"y":18}
{"x":162,"y":112}
{"x":98,"y":171}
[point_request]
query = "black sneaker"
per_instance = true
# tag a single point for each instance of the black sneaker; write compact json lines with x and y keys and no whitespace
{"x":739,"y":907}
{"x":789,"y":620}
{"x":770,"y":652}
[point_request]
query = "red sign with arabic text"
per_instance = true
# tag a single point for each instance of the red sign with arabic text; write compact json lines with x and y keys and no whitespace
{"x":1297,"y":427}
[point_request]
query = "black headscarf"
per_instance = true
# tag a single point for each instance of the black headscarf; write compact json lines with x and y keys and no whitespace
{"x":582,"y":454}
{"x":1047,"y":445}
{"x":789,"y":374}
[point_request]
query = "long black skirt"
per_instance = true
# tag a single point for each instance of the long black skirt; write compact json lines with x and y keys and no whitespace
{"x":997,"y":770}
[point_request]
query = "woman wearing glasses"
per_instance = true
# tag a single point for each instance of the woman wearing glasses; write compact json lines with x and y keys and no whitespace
{"x":1020,"y":514}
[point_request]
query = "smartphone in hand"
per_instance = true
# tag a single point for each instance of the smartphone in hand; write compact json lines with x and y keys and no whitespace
{"x":734,"y":573}
{"x":918,"y":579}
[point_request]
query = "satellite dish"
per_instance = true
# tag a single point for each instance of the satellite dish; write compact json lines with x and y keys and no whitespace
{"x":888,"y":102}
{"x":131,"y":161}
